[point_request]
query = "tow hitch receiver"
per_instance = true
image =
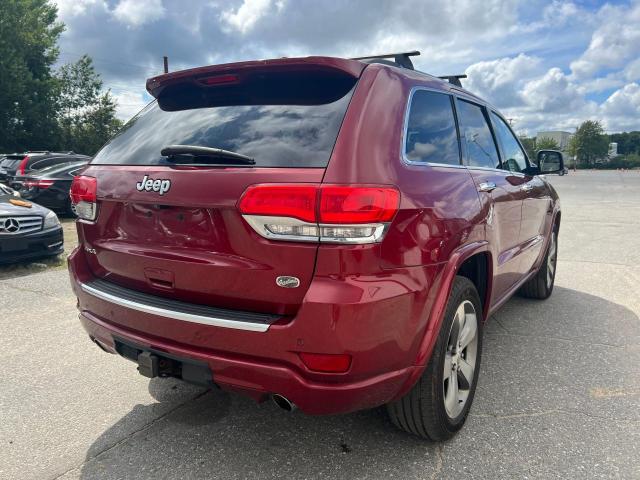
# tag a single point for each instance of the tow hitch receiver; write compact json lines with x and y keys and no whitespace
{"x":148,"y":365}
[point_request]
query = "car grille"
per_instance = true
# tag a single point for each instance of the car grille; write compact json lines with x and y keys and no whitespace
{"x":19,"y":225}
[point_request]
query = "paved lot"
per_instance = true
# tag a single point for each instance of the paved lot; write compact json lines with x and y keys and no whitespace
{"x":559,"y":391}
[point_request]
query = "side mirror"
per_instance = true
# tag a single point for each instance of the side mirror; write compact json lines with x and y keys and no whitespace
{"x":550,"y":161}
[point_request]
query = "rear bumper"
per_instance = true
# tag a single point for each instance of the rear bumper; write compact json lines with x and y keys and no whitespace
{"x":380,"y":324}
{"x":258,"y":379}
{"x":30,"y":246}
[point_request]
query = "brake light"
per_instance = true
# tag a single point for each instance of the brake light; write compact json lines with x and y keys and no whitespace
{"x":42,"y":184}
{"x":341,"y":204}
{"x":84,"y":192}
{"x":219,"y":79}
{"x":294,"y":201}
{"x":325,"y":213}
{"x":22,"y":166}
{"x":323,"y":362}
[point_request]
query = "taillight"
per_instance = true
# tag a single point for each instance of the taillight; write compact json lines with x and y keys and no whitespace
{"x":325,"y":213}
{"x":22,"y":166}
{"x":294,"y":201}
{"x":83,"y":196}
{"x":42,"y":184}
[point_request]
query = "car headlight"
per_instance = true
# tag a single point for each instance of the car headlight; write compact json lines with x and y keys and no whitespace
{"x":51,"y":220}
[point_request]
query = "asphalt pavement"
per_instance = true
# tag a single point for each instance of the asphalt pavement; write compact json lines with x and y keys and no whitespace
{"x":558,"y":396}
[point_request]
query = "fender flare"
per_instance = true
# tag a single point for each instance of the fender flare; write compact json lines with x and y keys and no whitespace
{"x":457,"y":258}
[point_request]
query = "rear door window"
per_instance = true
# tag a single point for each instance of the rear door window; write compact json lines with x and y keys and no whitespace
{"x":431,"y":135}
{"x":300,"y":134}
{"x":514,"y":158}
{"x":478,"y":144}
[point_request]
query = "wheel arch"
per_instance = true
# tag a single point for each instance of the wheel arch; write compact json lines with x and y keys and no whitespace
{"x":463,"y":260}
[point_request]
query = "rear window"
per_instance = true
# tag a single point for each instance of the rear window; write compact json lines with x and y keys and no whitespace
{"x":11,"y":162}
{"x":299,"y":134}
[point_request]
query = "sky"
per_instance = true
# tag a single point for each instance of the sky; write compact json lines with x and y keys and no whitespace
{"x":545,"y":65}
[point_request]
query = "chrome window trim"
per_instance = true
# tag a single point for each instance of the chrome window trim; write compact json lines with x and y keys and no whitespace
{"x":173,"y":314}
{"x":405,"y":128}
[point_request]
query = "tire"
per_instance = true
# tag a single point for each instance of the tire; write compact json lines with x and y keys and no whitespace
{"x":70,"y":210}
{"x":540,"y":286}
{"x":425,"y":411}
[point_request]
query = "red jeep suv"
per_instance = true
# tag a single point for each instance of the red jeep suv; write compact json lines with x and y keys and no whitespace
{"x":329,"y":233}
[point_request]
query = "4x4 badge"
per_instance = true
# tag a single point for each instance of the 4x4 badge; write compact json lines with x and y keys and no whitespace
{"x":150,"y":185}
{"x":288,"y":282}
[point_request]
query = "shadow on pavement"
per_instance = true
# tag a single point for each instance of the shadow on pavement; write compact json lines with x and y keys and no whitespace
{"x":212,"y":434}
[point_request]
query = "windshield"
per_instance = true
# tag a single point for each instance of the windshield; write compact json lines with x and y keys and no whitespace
{"x":273,"y":135}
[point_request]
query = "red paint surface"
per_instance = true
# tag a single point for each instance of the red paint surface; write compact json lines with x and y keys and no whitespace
{"x":382,"y":304}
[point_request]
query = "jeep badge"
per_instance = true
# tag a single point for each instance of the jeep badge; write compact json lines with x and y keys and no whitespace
{"x":150,"y":185}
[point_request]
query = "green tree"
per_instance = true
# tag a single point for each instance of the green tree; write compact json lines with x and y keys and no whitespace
{"x":86,"y":114}
{"x":28,"y":48}
{"x":589,"y":143}
{"x":529,"y":145}
{"x":628,"y":142}
{"x":546,"y":143}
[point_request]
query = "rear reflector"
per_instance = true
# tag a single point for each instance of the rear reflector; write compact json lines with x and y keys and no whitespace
{"x":84,"y":192}
{"x":328,"y":363}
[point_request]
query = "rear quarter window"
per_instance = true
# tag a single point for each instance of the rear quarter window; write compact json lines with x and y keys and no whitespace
{"x":431,"y":135}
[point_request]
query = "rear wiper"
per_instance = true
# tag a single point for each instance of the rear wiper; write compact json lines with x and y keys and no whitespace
{"x":173,"y":151}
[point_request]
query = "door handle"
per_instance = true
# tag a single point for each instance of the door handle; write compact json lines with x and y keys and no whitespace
{"x":486,"y":187}
{"x":527,"y":187}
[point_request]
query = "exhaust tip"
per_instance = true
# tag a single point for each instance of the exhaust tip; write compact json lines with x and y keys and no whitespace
{"x":283,"y":402}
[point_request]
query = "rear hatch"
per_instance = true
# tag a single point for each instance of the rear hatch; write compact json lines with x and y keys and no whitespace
{"x":168,"y":225}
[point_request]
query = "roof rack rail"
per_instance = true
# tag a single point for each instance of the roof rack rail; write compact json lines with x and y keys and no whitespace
{"x":401,"y":58}
{"x":454,"y":79}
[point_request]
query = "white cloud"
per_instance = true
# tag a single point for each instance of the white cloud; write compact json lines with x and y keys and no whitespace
{"x":622,"y":109}
{"x":129,"y":103}
{"x":548,"y":65}
{"x":73,"y":8}
{"x":136,"y":13}
{"x":614,"y":42}
{"x":500,"y":80}
{"x":248,"y":14}
{"x":552,"y":93}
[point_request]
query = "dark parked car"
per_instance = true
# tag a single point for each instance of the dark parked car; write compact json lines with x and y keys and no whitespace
{"x":50,"y":186}
{"x":329,"y":233}
{"x":19,"y":164}
{"x":27,"y":230}
{"x":7,"y":190}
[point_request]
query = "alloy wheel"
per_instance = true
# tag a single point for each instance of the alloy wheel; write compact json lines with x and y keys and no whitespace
{"x":552,"y":258}
{"x":460,"y":359}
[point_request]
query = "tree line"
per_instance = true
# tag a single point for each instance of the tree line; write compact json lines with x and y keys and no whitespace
{"x":589,"y":145}
{"x":43,"y":107}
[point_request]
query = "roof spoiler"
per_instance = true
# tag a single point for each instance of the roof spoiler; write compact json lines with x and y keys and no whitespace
{"x":226,"y":73}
